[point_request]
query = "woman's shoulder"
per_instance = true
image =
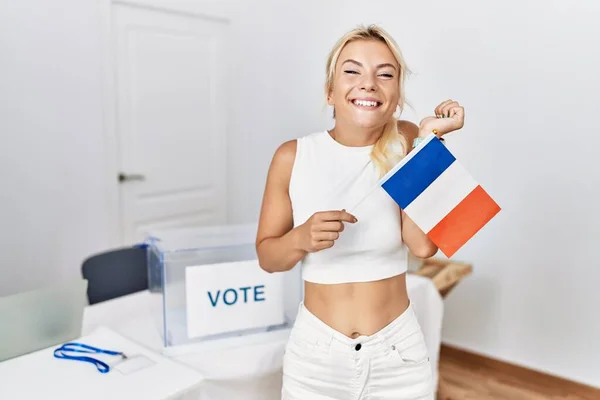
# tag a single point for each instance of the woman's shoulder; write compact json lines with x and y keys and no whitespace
{"x":288,"y":149}
{"x":408,"y":129}
{"x":285,"y":154}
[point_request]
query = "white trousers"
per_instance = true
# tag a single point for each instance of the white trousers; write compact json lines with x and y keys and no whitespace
{"x":323,"y":364}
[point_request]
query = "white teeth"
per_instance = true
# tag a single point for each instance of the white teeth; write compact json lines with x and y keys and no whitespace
{"x":365,"y":103}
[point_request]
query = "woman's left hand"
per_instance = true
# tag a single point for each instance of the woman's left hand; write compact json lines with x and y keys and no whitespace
{"x":450,"y":116}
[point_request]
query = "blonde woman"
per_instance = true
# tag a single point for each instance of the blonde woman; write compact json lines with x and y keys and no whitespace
{"x":356,"y":335}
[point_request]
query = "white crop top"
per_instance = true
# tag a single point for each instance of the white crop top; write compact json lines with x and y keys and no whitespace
{"x":330,"y":176}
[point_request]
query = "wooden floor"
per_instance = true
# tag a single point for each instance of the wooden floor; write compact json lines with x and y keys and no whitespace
{"x":464,"y":376}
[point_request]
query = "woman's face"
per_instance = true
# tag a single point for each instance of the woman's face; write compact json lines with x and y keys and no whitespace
{"x":365,"y":90}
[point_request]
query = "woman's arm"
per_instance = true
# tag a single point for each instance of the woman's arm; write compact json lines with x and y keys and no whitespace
{"x":416,"y":240}
{"x":277,"y":243}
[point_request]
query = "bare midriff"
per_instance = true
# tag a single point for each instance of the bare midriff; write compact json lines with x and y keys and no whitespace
{"x":356,"y":309}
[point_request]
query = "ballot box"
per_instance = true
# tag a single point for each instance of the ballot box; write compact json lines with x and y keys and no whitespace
{"x":207,"y":285}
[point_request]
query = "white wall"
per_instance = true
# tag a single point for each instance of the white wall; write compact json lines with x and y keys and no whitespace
{"x":278,"y":96}
{"x":51,"y":151}
{"x":53,"y":206}
{"x":527,"y":73}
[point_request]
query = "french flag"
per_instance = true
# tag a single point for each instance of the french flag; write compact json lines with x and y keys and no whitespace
{"x":439,"y":195}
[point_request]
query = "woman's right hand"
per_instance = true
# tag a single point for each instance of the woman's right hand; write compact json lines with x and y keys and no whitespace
{"x":322,"y":229}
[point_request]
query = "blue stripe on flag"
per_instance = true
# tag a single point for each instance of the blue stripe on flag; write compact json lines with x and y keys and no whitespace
{"x":418,"y":173}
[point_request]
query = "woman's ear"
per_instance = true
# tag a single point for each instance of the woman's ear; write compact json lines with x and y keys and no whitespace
{"x":329,"y":100}
{"x":329,"y":96}
{"x":398,"y":112}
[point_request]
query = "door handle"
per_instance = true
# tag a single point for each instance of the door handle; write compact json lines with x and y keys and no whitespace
{"x":130,"y":177}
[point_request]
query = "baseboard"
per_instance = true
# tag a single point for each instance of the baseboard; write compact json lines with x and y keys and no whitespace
{"x":477,"y":360}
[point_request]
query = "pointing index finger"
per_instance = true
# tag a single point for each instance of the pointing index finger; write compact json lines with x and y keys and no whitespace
{"x":342,"y":215}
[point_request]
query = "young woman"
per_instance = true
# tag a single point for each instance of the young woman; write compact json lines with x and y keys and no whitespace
{"x":356,"y":335}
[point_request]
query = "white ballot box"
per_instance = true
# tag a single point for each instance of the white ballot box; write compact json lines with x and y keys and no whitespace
{"x":208,"y":286}
{"x":142,"y":375}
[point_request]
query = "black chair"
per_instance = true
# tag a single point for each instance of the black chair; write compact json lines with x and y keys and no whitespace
{"x":115,"y":273}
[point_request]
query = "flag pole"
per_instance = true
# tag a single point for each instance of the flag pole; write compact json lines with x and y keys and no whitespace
{"x":363,"y":198}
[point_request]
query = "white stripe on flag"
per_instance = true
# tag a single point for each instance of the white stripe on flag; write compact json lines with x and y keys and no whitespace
{"x":439,"y":198}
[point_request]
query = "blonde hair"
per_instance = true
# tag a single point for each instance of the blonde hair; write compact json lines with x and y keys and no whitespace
{"x":382,"y":154}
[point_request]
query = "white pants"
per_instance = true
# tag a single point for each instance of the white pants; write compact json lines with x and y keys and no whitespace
{"x":323,"y":364}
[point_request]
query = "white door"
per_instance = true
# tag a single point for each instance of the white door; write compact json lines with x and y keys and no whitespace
{"x":170,"y":121}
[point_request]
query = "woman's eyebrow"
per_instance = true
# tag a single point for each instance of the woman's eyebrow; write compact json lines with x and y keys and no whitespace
{"x":360,"y":65}
{"x":386,"y":65}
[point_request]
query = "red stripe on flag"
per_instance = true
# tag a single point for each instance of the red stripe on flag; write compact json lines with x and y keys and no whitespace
{"x":464,"y":221}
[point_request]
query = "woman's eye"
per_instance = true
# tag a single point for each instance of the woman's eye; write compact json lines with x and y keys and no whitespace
{"x":387,"y":75}
{"x":349,"y":71}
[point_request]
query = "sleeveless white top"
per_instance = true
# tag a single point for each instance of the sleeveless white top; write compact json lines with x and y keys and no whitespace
{"x":330,"y":176}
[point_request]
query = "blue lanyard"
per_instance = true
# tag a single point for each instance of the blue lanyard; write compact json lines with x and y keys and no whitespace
{"x":84,"y":348}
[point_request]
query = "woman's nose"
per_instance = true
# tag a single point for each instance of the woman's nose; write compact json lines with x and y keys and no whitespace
{"x":368,"y":84}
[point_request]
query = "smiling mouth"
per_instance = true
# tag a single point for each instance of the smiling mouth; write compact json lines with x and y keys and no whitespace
{"x":367,"y":104}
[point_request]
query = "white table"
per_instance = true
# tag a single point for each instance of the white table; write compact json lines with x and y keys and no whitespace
{"x":144,"y":375}
{"x":251,"y":372}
